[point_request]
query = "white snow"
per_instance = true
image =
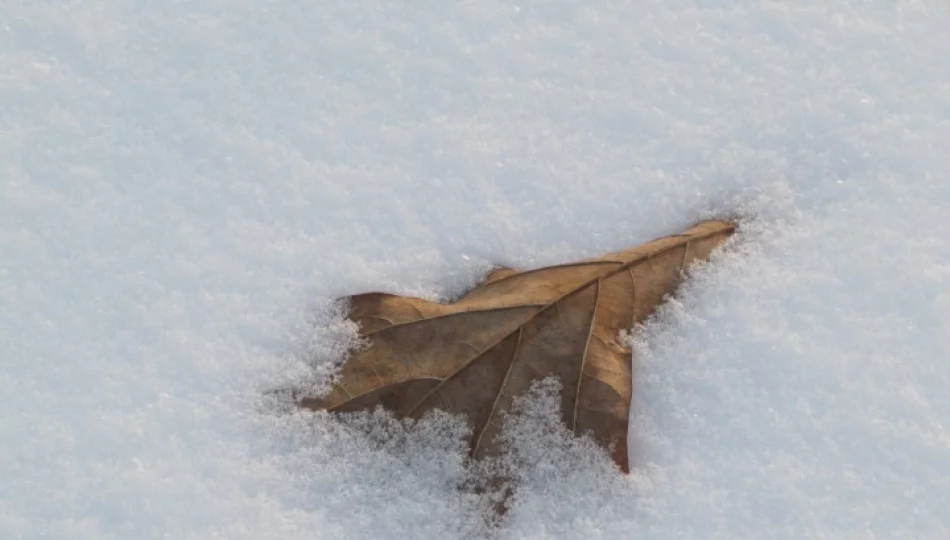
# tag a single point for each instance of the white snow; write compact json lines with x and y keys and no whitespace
{"x":186,"y":186}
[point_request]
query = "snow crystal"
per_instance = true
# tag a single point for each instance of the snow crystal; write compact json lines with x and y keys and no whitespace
{"x":186,"y":187}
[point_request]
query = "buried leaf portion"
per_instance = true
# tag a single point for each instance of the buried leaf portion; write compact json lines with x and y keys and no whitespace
{"x":475,"y":356}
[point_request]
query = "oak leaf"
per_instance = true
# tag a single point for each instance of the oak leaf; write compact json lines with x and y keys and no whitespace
{"x":474,"y":356}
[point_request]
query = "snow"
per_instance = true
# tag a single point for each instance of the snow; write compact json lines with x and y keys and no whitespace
{"x":186,"y":187}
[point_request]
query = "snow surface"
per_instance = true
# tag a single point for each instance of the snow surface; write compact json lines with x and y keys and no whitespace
{"x":187,"y":185}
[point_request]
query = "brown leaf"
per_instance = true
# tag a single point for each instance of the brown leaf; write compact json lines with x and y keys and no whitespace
{"x":473,"y":356}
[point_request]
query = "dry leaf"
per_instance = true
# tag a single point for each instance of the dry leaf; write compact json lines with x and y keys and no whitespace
{"x":472,"y":357}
